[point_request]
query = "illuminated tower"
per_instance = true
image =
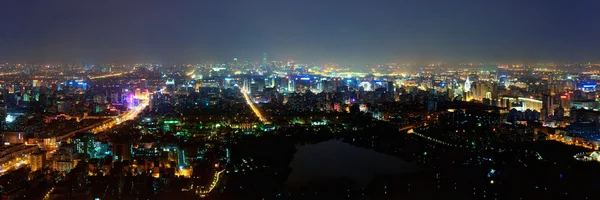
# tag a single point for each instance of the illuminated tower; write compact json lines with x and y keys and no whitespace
{"x":264,"y":63}
{"x":468,"y":85}
{"x":291,"y":86}
{"x":246,"y":85}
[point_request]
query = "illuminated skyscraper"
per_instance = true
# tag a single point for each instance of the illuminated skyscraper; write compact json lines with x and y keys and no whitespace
{"x":246,"y":85}
{"x":468,"y":85}
{"x":264,"y":62}
{"x":291,"y":85}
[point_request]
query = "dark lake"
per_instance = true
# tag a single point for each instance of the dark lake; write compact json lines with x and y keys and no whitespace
{"x":336,"y":159}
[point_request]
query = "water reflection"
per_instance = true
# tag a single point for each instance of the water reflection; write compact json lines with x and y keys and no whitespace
{"x":336,"y":159}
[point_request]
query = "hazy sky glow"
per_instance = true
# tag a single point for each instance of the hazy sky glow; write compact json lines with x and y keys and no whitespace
{"x":319,"y":30}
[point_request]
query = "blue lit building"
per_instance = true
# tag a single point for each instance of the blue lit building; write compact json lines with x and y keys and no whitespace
{"x":83,"y":143}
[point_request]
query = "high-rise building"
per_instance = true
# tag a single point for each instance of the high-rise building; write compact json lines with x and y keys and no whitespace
{"x":83,"y":143}
{"x":37,"y":160}
{"x":264,"y":62}
{"x":122,"y":151}
{"x":546,"y":105}
{"x":291,"y":85}
{"x":254,"y":88}
{"x":260,"y":83}
{"x":143,"y":83}
{"x":484,"y":90}
{"x":63,"y":159}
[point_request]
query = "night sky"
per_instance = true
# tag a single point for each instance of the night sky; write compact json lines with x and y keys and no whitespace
{"x":345,"y":31}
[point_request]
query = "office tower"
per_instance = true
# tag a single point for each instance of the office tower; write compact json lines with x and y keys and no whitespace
{"x":546,"y":105}
{"x":291,"y":85}
{"x":264,"y":62}
{"x":143,"y":83}
{"x":260,"y":83}
{"x":254,"y":88}
{"x":246,"y":85}
{"x":122,"y":151}
{"x":83,"y":143}
{"x":37,"y":160}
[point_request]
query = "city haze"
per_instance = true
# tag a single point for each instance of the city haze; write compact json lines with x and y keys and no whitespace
{"x":312,"y":31}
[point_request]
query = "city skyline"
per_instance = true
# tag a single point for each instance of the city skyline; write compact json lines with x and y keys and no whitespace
{"x":226,"y":131}
{"x":331,"y":31}
{"x":299,"y":99}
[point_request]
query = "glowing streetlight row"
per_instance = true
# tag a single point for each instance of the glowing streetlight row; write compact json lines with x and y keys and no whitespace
{"x":131,"y":114}
{"x":251,"y":104}
{"x":213,"y":184}
{"x":110,"y":75}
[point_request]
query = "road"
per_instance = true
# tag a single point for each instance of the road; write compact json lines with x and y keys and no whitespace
{"x":487,"y":148}
{"x":132,"y":113}
{"x":14,"y":164}
{"x":580,"y":142}
{"x":213,"y":184}
{"x":109,"y":75}
{"x":411,"y":126}
{"x":23,"y":160}
{"x":251,"y":104}
{"x":8,"y":73}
